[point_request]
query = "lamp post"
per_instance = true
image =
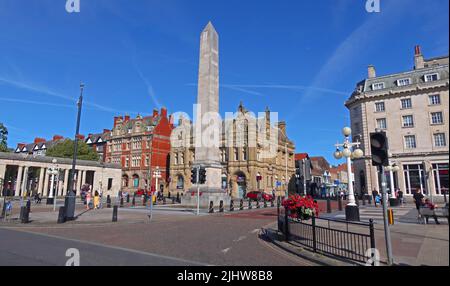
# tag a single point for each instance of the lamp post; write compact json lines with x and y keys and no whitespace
{"x":351,"y":210}
{"x":69,"y":202}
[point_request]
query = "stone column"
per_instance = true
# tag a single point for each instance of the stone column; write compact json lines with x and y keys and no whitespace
{"x":41,"y":181}
{"x":24,"y":182}
{"x":18,"y":182}
{"x":66,"y":181}
{"x":2,"y":178}
{"x":60,"y":184}
{"x":78,"y":184}
{"x":47,"y":178}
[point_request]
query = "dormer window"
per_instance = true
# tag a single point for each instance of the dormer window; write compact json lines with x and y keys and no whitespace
{"x":43,"y":147}
{"x":378,"y":86}
{"x":17,"y":150}
{"x":404,"y":82}
{"x":36,"y":147}
{"x":431,"y":77}
{"x":99,"y":140}
{"x":89,"y":141}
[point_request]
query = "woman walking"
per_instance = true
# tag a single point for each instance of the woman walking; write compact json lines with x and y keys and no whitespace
{"x":96,"y":200}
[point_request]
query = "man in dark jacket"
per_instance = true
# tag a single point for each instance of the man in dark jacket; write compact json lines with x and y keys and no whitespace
{"x":418,"y":199}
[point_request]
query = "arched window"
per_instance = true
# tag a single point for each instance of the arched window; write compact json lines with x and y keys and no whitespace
{"x":180,"y":182}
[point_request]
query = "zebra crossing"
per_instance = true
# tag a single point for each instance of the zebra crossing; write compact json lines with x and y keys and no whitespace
{"x":403,"y":214}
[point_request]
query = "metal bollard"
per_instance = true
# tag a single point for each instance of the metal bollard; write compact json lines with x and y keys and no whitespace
{"x":231,"y":205}
{"x":328,"y":205}
{"x":121,"y":202}
{"x":265,"y":204}
{"x":62,"y":215}
{"x":144,"y":201}
{"x":221,"y":207}
{"x":24,"y":215}
{"x":250,"y":204}
{"x":241,"y":205}
{"x":257,"y":204}
{"x":108,"y":202}
{"x":340,"y":204}
{"x":115,"y":213}
{"x":211,"y":207}
{"x":169,"y":196}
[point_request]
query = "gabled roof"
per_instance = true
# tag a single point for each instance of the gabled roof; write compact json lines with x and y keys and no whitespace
{"x":301,"y":156}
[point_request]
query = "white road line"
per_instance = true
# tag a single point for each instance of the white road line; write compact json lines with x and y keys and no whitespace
{"x":224,"y":251}
{"x":240,"y":238}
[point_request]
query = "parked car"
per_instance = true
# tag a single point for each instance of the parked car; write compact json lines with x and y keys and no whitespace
{"x":259,"y":196}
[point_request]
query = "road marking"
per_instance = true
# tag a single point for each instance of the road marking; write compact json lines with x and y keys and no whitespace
{"x":115,"y":247}
{"x":255,"y":230}
{"x":224,"y":251}
{"x":240,"y":238}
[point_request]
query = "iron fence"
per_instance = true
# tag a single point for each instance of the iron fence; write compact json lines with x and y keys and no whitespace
{"x":339,"y":238}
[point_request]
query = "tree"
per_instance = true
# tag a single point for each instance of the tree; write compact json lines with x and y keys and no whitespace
{"x":65,"y":150}
{"x":3,"y":138}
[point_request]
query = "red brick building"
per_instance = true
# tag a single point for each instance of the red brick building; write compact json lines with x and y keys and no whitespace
{"x":141,"y":145}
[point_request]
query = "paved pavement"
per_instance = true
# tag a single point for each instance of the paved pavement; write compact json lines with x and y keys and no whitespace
{"x":217,"y":239}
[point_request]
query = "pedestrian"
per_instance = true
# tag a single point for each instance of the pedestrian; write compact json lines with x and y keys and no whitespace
{"x":377,"y":200}
{"x":418,"y":199}
{"x":375,"y":194}
{"x":400,"y":196}
{"x":88,"y":200}
{"x":431,"y":206}
{"x":96,"y":200}
{"x":101,"y":200}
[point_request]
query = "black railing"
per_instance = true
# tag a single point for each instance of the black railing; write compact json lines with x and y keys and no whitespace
{"x":348,"y":240}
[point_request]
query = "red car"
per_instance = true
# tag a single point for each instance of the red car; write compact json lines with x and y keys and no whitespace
{"x":141,"y":192}
{"x":258,"y":196}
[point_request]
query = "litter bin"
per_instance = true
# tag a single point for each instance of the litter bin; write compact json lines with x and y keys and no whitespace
{"x":394,"y":202}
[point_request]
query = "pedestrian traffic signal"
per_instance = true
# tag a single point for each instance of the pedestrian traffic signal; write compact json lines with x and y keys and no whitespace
{"x":379,"y":149}
{"x":194,"y":176}
{"x":202,"y":175}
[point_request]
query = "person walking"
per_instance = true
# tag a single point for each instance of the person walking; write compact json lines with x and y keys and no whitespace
{"x":88,"y":200}
{"x":375,"y":195}
{"x":96,"y":200}
{"x":400,"y":196}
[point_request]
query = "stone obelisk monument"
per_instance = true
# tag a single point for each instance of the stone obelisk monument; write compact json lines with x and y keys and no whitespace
{"x":207,"y":120}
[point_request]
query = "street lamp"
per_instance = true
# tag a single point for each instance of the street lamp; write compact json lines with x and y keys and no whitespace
{"x":351,"y":210}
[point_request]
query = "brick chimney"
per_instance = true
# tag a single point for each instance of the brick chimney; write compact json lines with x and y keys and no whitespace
{"x":57,"y":137}
{"x":155,"y":112}
{"x":105,"y":131}
{"x":371,"y":72}
{"x":39,"y":140}
{"x":117,"y":119}
{"x":81,"y":137}
{"x":419,"y":62}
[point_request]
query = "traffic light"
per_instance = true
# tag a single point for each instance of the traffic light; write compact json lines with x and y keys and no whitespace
{"x":194,"y":175}
{"x":202,"y":175}
{"x":379,"y":149}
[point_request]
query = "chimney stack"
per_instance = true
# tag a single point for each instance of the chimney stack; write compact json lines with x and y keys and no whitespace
{"x":371,"y":72}
{"x":155,"y":112}
{"x":57,"y":137}
{"x":39,"y":140}
{"x":163,"y":112}
{"x":419,"y":62}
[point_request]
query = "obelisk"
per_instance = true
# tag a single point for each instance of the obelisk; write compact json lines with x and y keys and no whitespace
{"x":207,"y":119}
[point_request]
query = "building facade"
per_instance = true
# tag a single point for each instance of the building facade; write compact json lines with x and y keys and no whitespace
{"x":412,"y":107}
{"x":245,"y":167}
{"x":141,"y":146}
{"x":25,"y":175}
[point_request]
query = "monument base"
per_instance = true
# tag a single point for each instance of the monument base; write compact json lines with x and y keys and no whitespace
{"x":207,"y":196}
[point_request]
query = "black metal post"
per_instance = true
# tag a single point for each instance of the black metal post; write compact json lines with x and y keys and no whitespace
{"x":328,"y":205}
{"x":286,"y":224}
{"x":314,"y":233}
{"x":241,"y":205}
{"x":69,"y":203}
{"x":231,"y":205}
{"x":108,"y":201}
{"x":221,"y":207}
{"x":211,"y":207}
{"x":115,"y":212}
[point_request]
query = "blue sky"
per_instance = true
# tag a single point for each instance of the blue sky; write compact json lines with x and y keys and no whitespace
{"x":300,"y":58}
